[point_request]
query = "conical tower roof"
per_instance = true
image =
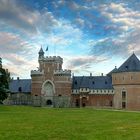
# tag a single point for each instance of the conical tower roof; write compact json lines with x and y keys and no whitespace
{"x":41,"y":51}
{"x":130,"y":65}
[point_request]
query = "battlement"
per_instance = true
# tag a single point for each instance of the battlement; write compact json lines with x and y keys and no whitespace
{"x":62,"y":72}
{"x":36,"y":72}
{"x":52,"y":59}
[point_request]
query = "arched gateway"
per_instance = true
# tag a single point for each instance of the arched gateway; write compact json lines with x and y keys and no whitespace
{"x":48,"y":92}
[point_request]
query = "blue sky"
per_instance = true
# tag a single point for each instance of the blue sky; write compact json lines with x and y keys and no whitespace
{"x":92,"y":36}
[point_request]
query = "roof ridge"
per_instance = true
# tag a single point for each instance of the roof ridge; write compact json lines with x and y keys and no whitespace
{"x":131,"y":64}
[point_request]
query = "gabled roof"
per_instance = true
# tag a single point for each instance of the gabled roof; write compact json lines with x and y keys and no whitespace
{"x":131,"y":64}
{"x":23,"y":84}
{"x":92,"y":82}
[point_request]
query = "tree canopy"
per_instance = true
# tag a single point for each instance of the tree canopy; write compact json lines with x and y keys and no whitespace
{"x":4,"y":84}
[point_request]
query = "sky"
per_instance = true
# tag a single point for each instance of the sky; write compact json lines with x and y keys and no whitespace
{"x":92,"y":36}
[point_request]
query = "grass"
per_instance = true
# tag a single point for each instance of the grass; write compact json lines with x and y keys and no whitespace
{"x":34,"y":123}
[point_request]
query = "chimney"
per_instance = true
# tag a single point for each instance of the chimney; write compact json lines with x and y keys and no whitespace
{"x":72,"y":74}
{"x":17,"y":78}
{"x":102,"y":74}
{"x":90,"y":74}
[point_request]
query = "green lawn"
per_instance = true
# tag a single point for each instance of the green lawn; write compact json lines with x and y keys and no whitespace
{"x":34,"y":123}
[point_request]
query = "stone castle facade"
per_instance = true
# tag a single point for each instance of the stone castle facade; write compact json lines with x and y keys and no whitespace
{"x":50,"y":80}
{"x":53,"y":86}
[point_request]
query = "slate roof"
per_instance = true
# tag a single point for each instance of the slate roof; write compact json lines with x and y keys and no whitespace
{"x":131,"y":64}
{"x":113,"y":71}
{"x":22,"y":84}
{"x":92,"y":82}
{"x":41,"y":51}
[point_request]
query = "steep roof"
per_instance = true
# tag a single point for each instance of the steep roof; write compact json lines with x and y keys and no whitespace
{"x":41,"y":51}
{"x":92,"y":82}
{"x":131,"y":64}
{"x":113,"y":71}
{"x":24,"y":85}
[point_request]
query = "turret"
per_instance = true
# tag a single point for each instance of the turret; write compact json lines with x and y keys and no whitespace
{"x":41,"y":53}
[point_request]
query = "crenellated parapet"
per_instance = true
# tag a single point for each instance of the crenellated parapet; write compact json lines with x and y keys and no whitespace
{"x":36,"y":72}
{"x":51,"y":59}
{"x":62,"y":72}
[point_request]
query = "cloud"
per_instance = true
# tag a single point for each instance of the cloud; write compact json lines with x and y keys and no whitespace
{"x":122,"y":15}
{"x":80,"y":22}
{"x":14,"y":14}
{"x":125,"y":23}
{"x":25,"y":19}
{"x":83,"y":62}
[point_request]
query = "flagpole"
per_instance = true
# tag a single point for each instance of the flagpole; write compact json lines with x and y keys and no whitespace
{"x":47,"y":50}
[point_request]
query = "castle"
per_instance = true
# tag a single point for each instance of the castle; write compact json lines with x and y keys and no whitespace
{"x":50,"y":85}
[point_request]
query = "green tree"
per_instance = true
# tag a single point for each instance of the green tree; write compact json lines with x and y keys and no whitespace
{"x":4,"y":83}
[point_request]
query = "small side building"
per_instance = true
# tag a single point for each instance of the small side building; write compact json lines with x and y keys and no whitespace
{"x":20,"y":92}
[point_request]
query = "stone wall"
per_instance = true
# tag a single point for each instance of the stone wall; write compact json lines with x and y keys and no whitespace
{"x":128,"y":82}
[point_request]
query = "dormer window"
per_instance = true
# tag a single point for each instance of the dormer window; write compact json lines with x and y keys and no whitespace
{"x":105,"y":82}
{"x":20,"y":89}
{"x":75,"y":82}
{"x":93,"y":82}
{"x":126,"y":67}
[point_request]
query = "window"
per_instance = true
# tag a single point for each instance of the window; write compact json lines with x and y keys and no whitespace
{"x":93,"y":82}
{"x":123,"y":104}
{"x":77,"y":103}
{"x":105,"y":82}
{"x":126,"y":67}
{"x":75,"y":82}
{"x":20,"y":89}
{"x":123,"y":95}
{"x":59,"y":95}
{"x":123,"y":99}
{"x":111,"y":103}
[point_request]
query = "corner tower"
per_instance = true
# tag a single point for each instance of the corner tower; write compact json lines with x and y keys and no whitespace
{"x":126,"y":82}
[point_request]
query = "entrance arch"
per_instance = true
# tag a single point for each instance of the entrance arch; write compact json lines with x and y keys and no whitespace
{"x":48,"y":88}
{"x":47,"y":93}
{"x":49,"y":102}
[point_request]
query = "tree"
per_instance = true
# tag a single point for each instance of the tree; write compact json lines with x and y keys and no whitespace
{"x":4,"y":83}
